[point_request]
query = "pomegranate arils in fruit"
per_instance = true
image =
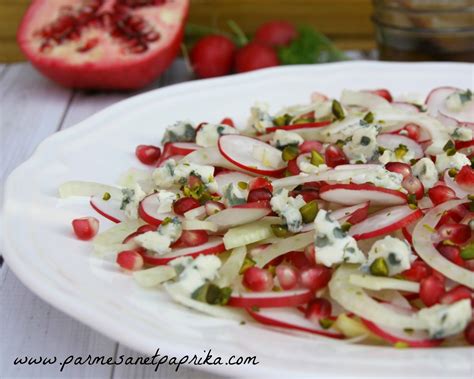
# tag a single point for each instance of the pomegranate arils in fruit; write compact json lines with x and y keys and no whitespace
{"x":441,"y":194}
{"x":258,"y":279}
{"x":317,"y":309}
{"x":431,"y":290}
{"x":130,"y":260}
{"x":148,"y":154}
{"x":287,"y":276}
{"x":184,"y":204}
{"x":413,"y":186}
{"x":315,"y":278}
{"x":456,"y":294}
{"x":259,"y":194}
{"x":400,"y":168}
{"x":456,"y":233}
{"x":85,"y":228}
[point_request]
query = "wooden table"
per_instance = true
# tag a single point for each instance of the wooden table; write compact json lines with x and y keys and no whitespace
{"x":31,"y":109}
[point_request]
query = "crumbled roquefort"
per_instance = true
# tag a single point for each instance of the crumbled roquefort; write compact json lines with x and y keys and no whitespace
{"x":159,"y":241}
{"x":445,"y":161}
{"x":288,"y":208}
{"x":208,"y":134}
{"x":425,"y":170}
{"x":131,"y":198}
{"x":259,"y":118}
{"x":181,"y":131}
{"x":395,"y":252}
{"x":282,"y":138}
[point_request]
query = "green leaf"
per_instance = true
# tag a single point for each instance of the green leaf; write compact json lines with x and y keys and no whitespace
{"x":310,"y":47}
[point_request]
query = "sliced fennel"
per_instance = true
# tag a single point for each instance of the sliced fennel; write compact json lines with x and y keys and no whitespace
{"x":423,"y":245}
{"x":378,"y":283}
{"x":134,"y":176}
{"x":111,"y":239}
{"x":151,"y":277}
{"x":245,"y":234}
{"x":296,"y":242}
{"x":352,"y":328}
{"x":198,"y":225}
{"x":354,"y":299}
{"x":231,"y":268}
{"x":87,"y":189}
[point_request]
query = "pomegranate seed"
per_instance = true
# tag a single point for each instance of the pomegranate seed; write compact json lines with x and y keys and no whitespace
{"x":469,"y":333}
{"x":292,"y":167}
{"x":413,"y":131}
{"x":414,"y":186}
{"x":184,"y":204}
{"x":400,"y":168}
{"x":260,"y":182}
{"x":212,"y":207}
{"x":318,"y":309}
{"x":148,"y":154}
{"x":334,"y":156}
{"x":287,"y":276}
{"x":465,"y":178}
{"x":431,"y":290}
{"x":130,"y":260}
{"x":453,"y":253}
{"x":258,"y":279}
{"x":457,"y":233}
{"x":441,"y":194}
{"x":308,"y":146}
{"x":315,"y":278}
{"x":194,"y":181}
{"x":297,"y":259}
{"x":456,"y":294}
{"x":190,"y":238}
{"x":259,"y":194}
{"x":85,"y":228}
{"x":382,"y":92}
{"x":228,"y":121}
{"x":310,"y":254}
{"x":418,"y":271}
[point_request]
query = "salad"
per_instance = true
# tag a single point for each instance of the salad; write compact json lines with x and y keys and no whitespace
{"x":350,"y":219}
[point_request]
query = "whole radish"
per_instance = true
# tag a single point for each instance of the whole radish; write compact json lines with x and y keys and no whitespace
{"x":275,"y":33}
{"x":255,"y":56}
{"x":212,"y":56}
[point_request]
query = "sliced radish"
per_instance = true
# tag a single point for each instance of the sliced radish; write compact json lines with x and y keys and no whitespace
{"x":385,"y":221}
{"x":436,"y":106}
{"x":392,"y":141}
{"x":110,"y":209}
{"x":352,"y":194}
{"x":413,"y":338}
{"x":454,"y":186}
{"x":213,"y":246}
{"x":319,"y":124}
{"x":231,"y":217}
{"x":270,"y":299}
{"x":147,"y":210}
{"x":406,"y":107}
{"x":254,"y":205}
{"x":353,"y":215}
{"x":436,"y":98}
{"x":291,"y":318}
{"x":178,"y":148}
{"x":242,"y":151}
{"x":228,"y":177}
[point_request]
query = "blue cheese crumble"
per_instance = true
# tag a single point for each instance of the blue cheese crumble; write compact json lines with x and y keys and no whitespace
{"x":282,"y":138}
{"x":182,"y":131}
{"x":396,"y":253}
{"x":445,"y":161}
{"x":425,"y":170}
{"x":362,"y":145}
{"x":332,"y":244}
{"x":289,"y":209}
{"x":446,"y":320}
{"x":194,"y":273}
{"x":160,"y":240}
{"x":259,"y":118}
{"x":234,"y":195}
{"x":208,"y":134}
{"x":172,"y":174}
{"x":131,"y":198}
{"x":379,"y":177}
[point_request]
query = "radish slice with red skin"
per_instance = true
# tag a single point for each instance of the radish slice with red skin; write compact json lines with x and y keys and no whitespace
{"x":147,"y":210}
{"x":239,"y":150}
{"x":307,"y":125}
{"x":406,"y":107}
{"x":110,"y":209}
{"x":352,"y":194}
{"x":392,"y":141}
{"x":254,"y":205}
{"x":291,"y":318}
{"x":178,"y":148}
{"x":213,"y":246}
{"x":225,"y":178}
{"x":436,"y":105}
{"x":425,"y":249}
{"x":385,"y":221}
{"x":448,"y":181}
{"x":270,"y":299}
{"x":416,"y":338}
{"x":345,"y":214}
{"x":230,"y":217}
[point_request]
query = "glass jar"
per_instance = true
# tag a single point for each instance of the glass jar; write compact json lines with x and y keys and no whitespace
{"x":414,"y":30}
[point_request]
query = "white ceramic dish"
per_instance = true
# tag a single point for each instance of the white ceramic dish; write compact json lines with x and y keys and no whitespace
{"x":41,"y":250}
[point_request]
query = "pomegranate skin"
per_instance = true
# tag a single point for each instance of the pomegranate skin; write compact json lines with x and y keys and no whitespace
{"x":109,"y":74}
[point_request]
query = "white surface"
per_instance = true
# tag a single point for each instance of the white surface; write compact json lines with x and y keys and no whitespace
{"x":66,"y":278}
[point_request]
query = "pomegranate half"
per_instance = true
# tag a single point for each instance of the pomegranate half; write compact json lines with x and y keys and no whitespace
{"x":102,"y":44}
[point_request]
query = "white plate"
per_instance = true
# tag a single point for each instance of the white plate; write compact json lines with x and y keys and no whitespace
{"x":43,"y":253}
